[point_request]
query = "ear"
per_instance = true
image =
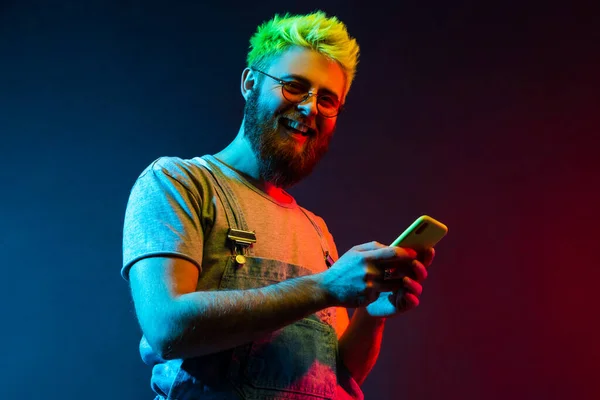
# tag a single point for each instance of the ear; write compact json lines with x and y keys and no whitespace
{"x":248,"y":82}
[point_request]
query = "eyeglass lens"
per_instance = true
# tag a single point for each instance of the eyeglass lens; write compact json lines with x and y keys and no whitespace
{"x":295,"y":93}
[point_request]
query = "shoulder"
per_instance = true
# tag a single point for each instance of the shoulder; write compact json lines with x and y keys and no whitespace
{"x":175,"y":167}
{"x":187,"y":172}
{"x":318,"y":220}
{"x":313,"y":215}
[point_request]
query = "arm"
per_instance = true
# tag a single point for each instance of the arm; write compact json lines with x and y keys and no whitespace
{"x":179,"y":322}
{"x":360,"y":344}
{"x":167,"y":212}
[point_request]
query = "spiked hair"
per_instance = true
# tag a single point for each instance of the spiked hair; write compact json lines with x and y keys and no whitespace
{"x":316,"y":31}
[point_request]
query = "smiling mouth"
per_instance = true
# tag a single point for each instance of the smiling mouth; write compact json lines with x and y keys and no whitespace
{"x":297,"y":127}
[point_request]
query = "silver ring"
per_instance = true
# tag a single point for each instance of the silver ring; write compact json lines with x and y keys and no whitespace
{"x":387,"y":274}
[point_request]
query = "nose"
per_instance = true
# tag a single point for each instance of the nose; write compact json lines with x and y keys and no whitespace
{"x":309,"y":106}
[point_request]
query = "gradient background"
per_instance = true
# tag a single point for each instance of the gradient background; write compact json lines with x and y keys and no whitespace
{"x":483,"y":116}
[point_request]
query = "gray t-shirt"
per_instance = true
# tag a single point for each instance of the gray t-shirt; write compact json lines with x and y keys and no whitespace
{"x":173,"y":210}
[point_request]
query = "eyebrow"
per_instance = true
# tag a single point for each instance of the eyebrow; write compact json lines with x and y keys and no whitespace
{"x":308,"y":83}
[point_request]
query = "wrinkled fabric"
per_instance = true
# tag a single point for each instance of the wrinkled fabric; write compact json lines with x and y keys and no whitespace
{"x":179,"y":208}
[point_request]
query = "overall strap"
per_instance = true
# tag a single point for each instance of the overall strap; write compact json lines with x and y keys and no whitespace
{"x":324,"y":246}
{"x":239,"y":233}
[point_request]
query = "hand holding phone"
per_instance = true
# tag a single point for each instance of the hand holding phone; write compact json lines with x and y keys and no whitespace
{"x":421,"y":235}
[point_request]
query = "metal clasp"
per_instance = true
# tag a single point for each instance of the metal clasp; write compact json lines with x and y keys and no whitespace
{"x":241,"y":238}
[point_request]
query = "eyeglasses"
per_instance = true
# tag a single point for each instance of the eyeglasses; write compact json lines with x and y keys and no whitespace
{"x":294,"y":92}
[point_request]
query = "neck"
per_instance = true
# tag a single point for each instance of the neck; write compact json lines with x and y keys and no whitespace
{"x":239,"y":156}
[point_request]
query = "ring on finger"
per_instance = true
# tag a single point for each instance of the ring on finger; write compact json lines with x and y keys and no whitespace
{"x":387,"y":274}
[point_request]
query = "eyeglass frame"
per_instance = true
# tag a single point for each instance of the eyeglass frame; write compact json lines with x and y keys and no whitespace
{"x":309,"y":93}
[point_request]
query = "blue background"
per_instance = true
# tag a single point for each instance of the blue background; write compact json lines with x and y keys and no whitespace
{"x":484,"y":116}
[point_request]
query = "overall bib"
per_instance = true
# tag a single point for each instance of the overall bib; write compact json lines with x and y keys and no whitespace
{"x":299,"y":361}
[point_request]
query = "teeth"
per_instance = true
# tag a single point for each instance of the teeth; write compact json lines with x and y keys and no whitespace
{"x":298,"y":126}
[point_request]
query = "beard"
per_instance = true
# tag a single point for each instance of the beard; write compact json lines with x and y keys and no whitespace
{"x":279,"y":160}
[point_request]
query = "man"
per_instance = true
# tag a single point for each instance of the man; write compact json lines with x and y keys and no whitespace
{"x":238,"y":290}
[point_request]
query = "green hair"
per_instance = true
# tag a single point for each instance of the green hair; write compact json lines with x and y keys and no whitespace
{"x":315,"y":31}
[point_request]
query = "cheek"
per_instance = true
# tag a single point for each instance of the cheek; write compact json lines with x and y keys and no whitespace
{"x":276,"y":104}
{"x":327,"y":126}
{"x":270,"y":104}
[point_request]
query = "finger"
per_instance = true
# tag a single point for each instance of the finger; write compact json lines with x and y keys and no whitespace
{"x":414,"y":270}
{"x":412,"y":286}
{"x":407,"y":250}
{"x":389,"y":254}
{"x":419,"y":270}
{"x":399,"y":272}
{"x":426,"y":256}
{"x":373,"y":273}
{"x":388,"y":285}
{"x":368,"y":246}
{"x":410,"y":300}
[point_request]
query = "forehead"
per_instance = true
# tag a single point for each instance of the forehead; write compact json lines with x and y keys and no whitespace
{"x":322,"y":72}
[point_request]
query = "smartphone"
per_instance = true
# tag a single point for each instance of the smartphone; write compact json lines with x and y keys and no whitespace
{"x":422,"y":234}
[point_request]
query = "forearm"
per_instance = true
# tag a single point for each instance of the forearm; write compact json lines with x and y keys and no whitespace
{"x":201,"y":323}
{"x":360,"y":344}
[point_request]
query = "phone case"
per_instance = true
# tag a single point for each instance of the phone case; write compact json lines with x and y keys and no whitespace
{"x":422,"y":234}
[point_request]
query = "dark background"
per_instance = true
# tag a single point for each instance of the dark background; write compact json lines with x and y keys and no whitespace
{"x":481,"y":114}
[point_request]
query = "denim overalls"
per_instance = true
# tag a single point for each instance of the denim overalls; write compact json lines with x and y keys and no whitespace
{"x":299,"y":361}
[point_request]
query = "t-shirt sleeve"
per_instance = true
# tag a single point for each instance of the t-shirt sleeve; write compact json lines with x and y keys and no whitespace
{"x":162,"y":217}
